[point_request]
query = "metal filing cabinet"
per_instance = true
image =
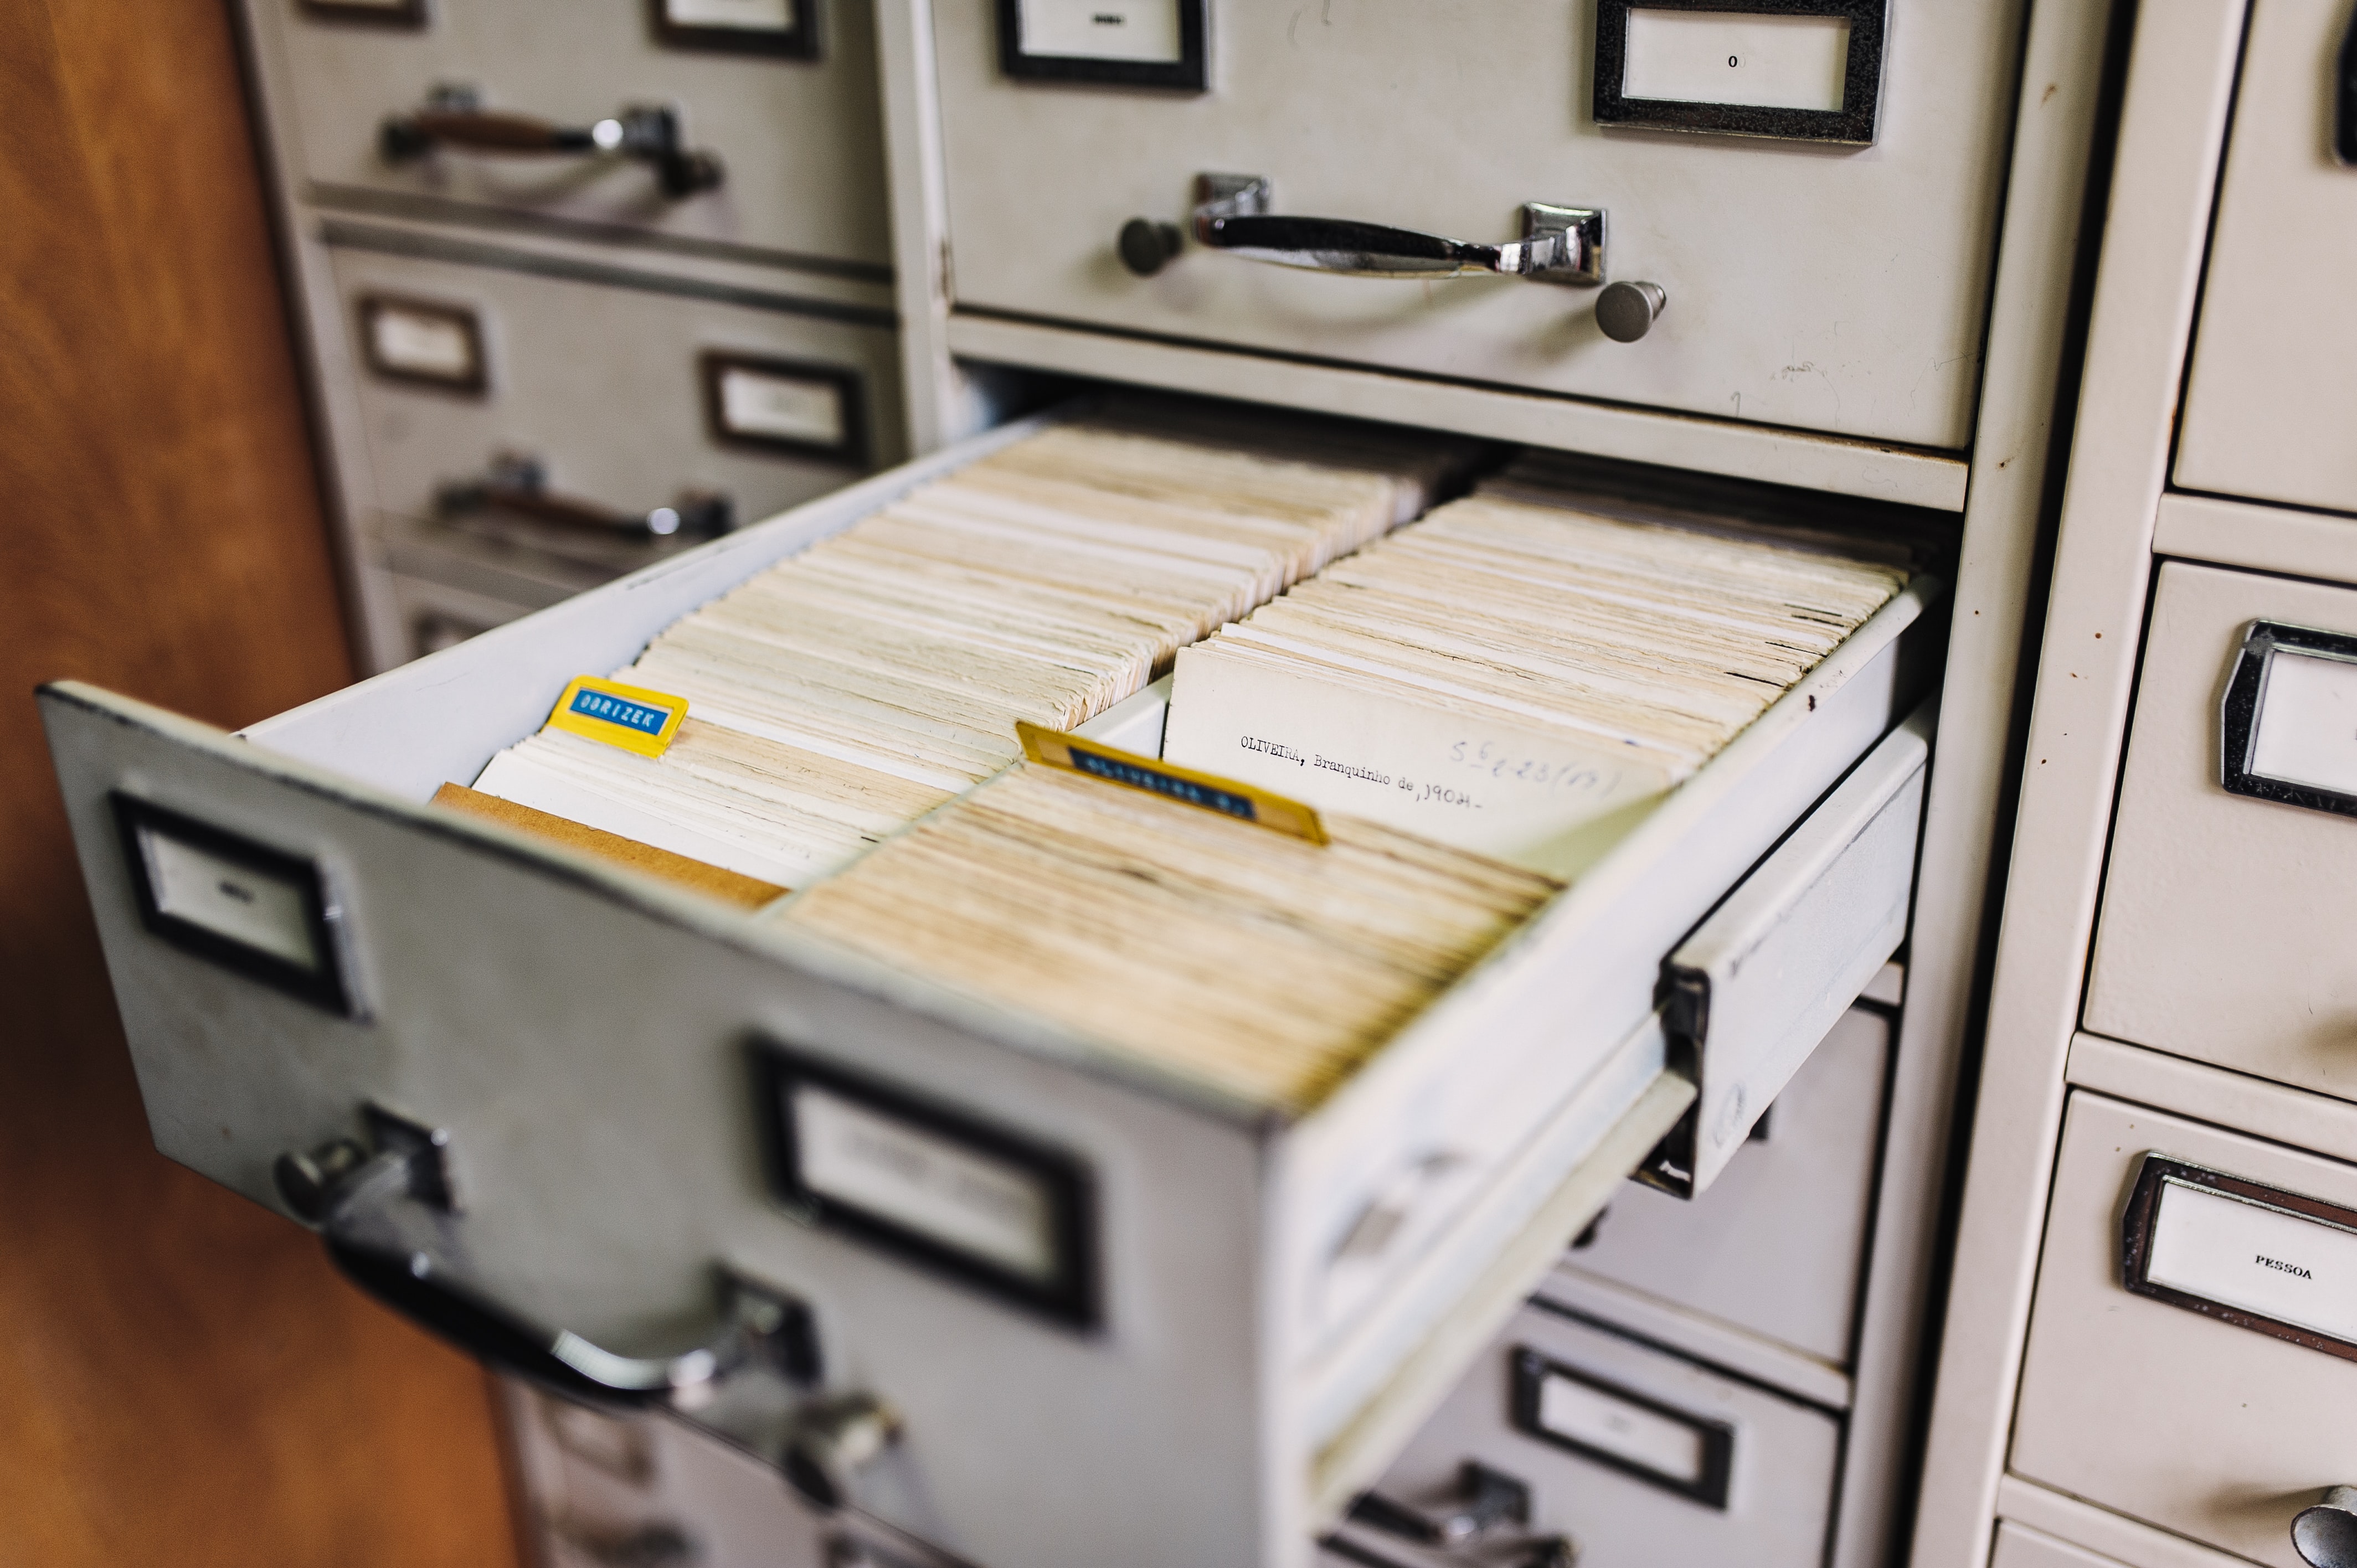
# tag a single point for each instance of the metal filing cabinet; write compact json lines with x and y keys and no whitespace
{"x":2148,"y":1345}
{"x":525,"y":240}
{"x":2270,"y":385}
{"x":598,"y":1151}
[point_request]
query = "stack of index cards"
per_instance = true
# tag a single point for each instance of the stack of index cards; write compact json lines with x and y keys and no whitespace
{"x":1522,"y":673}
{"x":850,"y":689}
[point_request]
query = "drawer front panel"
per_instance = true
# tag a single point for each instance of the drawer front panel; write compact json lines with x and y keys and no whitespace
{"x":2270,"y":398}
{"x":1830,"y":289}
{"x":800,"y":140}
{"x":1776,"y":1246}
{"x":2169,"y":1415}
{"x":1641,"y":1456}
{"x":2019,"y":1548}
{"x":608,"y":387}
{"x":2226,"y":919}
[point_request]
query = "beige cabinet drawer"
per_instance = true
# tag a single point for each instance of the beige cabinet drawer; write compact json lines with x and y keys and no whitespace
{"x":608,"y":383}
{"x":2225,"y":932}
{"x":1824,"y":288}
{"x":1777,"y":1244}
{"x":798,"y":137}
{"x":1641,"y":1458}
{"x":2020,"y":1548}
{"x":2272,"y":388}
{"x":2172,"y":1415}
{"x":585,"y":1039}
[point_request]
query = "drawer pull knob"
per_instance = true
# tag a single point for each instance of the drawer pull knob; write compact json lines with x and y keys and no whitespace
{"x":1625,"y":311}
{"x":1147,"y":246}
{"x":1559,"y":245}
{"x":517,"y":484}
{"x":453,"y":118}
{"x":383,"y":1231}
{"x":831,"y":1439}
{"x":2325,"y":1533}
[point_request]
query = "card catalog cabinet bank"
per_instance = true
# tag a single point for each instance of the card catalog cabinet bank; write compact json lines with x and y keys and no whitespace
{"x":2148,"y":1352}
{"x":582,"y":284}
{"x":1841,"y":284}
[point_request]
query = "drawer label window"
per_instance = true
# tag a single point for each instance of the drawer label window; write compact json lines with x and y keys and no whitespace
{"x":926,"y":1182}
{"x":1623,"y":1429}
{"x":1718,"y":56}
{"x":1797,"y":69}
{"x":744,"y":27}
{"x":257,"y":911}
{"x":2289,"y":721}
{"x":2252,"y":1255}
{"x":1137,"y":43}
{"x":782,"y":406}
{"x":412,"y":341}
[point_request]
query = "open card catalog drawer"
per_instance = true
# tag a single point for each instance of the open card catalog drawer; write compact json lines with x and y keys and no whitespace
{"x":974,"y":1267}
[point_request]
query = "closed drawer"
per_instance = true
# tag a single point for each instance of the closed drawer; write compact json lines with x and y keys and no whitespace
{"x":436,"y":616}
{"x":2226,"y":923}
{"x":1641,"y":1458}
{"x":2165,"y":1409}
{"x":798,"y":137}
{"x":2270,"y":398}
{"x":1861,"y":316}
{"x":1777,"y":1244}
{"x":617,"y":390}
{"x":607,"y":1137}
{"x":2020,"y":1548}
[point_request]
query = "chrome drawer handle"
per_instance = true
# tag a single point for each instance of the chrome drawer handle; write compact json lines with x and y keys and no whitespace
{"x":378,"y":1216}
{"x":517,"y":483}
{"x":2325,"y":1533}
{"x":453,"y":118}
{"x":1559,"y":245}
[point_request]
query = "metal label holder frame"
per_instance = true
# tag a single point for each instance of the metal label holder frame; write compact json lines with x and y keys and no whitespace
{"x":476,"y":383}
{"x":797,"y":39}
{"x":1710,"y":1489}
{"x":329,"y":987}
{"x":2158,"y":1171}
{"x":1854,"y":123}
{"x":1069,"y":1298}
{"x":849,"y":389}
{"x":2246,"y":695}
{"x":1190,"y":73}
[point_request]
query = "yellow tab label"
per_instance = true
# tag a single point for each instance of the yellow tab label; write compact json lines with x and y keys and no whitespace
{"x":1207,"y":791}
{"x":628,"y":716}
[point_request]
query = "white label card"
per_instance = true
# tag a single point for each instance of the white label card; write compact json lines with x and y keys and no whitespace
{"x":986,"y":1208}
{"x":253,"y":908}
{"x":2307,"y":724}
{"x":1738,"y":57}
{"x":1645,"y":1438}
{"x":752,"y":16}
{"x":766,"y":403}
{"x":2257,"y":1258}
{"x":1101,"y":29}
{"x":419,"y":344}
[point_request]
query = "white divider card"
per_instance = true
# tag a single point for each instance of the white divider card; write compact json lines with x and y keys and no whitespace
{"x":2253,"y":1255}
{"x":853,"y":1154}
{"x":1733,"y":57}
{"x":2289,"y":721}
{"x":245,"y":906}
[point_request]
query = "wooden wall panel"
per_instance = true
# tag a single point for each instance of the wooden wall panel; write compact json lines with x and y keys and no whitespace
{"x":183,"y":1380}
